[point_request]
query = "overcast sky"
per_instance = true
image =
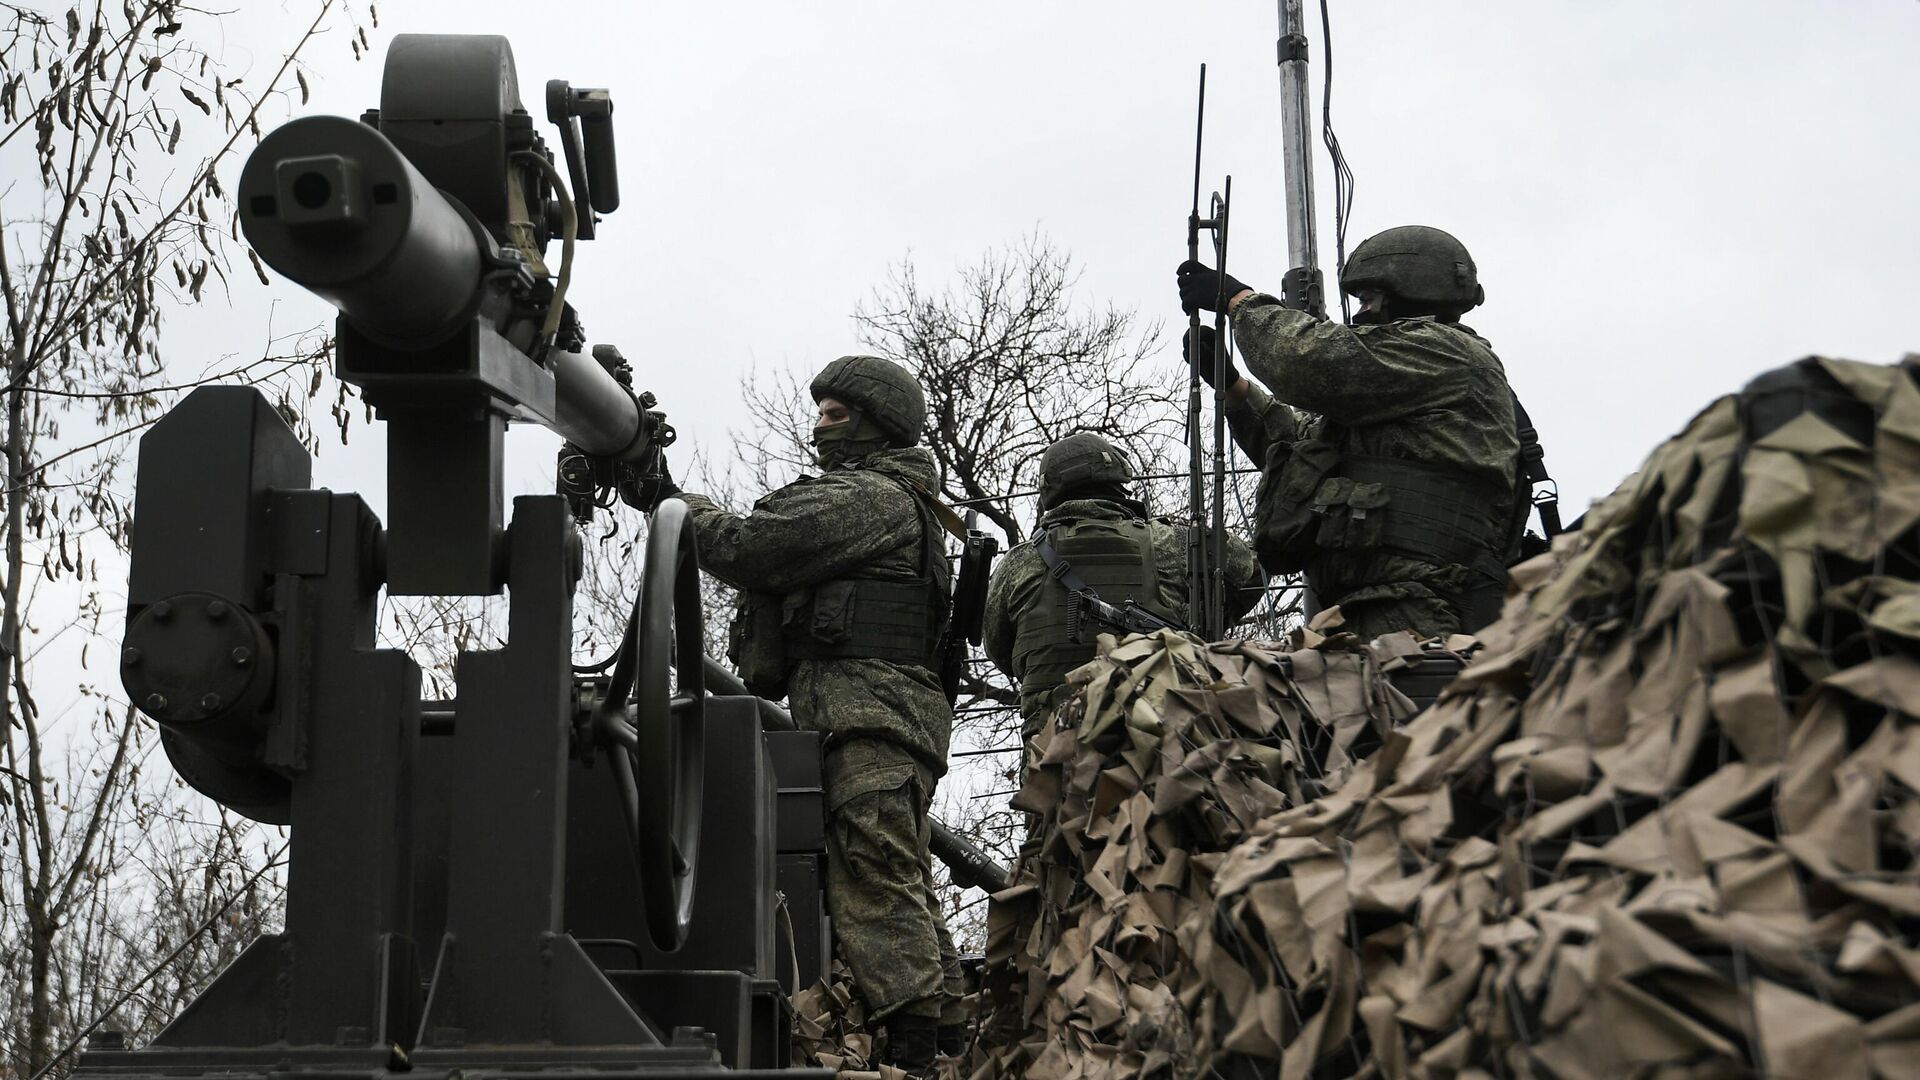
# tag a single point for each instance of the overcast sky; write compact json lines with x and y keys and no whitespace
{"x":1663,"y":198}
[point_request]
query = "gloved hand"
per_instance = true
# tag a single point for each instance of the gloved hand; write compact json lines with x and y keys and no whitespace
{"x":645,"y":492}
{"x":1201,"y":287}
{"x":1205,"y":354}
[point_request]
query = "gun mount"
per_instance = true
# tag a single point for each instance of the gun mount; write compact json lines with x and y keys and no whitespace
{"x":504,"y":882}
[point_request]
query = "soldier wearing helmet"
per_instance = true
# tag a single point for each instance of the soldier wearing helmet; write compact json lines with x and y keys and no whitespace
{"x":843,"y":580}
{"x":1091,"y":524}
{"x":1389,"y":449}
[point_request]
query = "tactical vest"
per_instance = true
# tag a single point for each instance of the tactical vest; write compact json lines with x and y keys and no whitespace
{"x":863,"y":616}
{"x":1115,"y":558}
{"x":1426,"y":511}
{"x":1316,"y":499}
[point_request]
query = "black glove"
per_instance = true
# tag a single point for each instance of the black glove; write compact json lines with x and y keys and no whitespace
{"x":1203,"y":288}
{"x":644,"y":491}
{"x":1205,"y":353}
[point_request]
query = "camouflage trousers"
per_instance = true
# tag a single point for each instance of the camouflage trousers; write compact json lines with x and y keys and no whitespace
{"x":886,"y":916}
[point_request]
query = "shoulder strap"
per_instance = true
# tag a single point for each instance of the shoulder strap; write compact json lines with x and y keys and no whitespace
{"x":944,"y":514}
{"x":1533,"y":472}
{"x":1058,"y":568}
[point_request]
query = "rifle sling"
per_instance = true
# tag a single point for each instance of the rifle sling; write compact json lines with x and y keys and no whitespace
{"x":1060,"y":569}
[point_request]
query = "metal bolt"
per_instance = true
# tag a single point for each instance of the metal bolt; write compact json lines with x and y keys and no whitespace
{"x":156,"y":703}
{"x":217,"y":610}
{"x":242,"y":656}
{"x":210,"y":702}
{"x":130,"y":656}
{"x":162,"y":611}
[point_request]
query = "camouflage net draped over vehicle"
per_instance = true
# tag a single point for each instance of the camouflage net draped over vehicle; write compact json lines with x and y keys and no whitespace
{"x":1666,"y":823}
{"x":1169,"y":754}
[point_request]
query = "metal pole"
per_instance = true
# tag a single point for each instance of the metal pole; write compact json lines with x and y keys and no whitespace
{"x":1215,"y":626}
{"x":1197,"y":576}
{"x":1297,"y":153}
{"x":1302,"y":287}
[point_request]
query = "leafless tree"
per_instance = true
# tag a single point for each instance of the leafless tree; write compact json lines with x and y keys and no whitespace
{"x":1011,"y":359}
{"x":116,"y":129}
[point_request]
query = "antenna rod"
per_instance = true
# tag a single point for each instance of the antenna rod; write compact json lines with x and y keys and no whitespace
{"x":1198,"y":579}
{"x":1215,"y":627}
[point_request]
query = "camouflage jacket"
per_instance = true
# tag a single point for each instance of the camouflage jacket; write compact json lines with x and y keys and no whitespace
{"x":816,"y":530}
{"x":1415,"y":389}
{"x":1019,"y":578}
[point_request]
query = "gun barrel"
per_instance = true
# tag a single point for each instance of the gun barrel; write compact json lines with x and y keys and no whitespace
{"x":591,"y":409}
{"x":335,"y":207}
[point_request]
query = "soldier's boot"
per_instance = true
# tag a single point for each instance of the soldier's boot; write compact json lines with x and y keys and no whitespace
{"x":912,"y":1044}
{"x":951,"y":1039}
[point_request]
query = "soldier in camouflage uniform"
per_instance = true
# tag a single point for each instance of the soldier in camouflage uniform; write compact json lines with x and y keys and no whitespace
{"x":1388,"y":448}
{"x":844,"y":586}
{"x":1093,"y":523}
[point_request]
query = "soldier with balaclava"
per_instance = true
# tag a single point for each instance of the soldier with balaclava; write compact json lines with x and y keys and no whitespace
{"x":843,"y":580}
{"x":1092,"y":526}
{"x":1389,"y":448}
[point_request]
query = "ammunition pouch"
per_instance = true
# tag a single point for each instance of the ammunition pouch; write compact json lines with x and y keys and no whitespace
{"x":1424,"y":511}
{"x":1313,"y":499}
{"x":902,"y":621}
{"x":756,"y":645}
{"x":1287,"y":532}
{"x":869,"y":618}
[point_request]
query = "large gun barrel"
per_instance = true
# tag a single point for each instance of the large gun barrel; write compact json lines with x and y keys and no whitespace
{"x":334,"y":206}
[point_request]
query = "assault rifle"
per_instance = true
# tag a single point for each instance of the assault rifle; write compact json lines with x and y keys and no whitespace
{"x":969,"y":604}
{"x":1085,"y":605}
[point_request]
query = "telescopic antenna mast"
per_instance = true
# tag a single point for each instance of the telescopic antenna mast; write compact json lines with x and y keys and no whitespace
{"x":1302,"y":287}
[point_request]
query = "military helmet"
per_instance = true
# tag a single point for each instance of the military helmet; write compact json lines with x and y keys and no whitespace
{"x":882,"y":390}
{"x":1417,"y":264}
{"x":1080,"y":460}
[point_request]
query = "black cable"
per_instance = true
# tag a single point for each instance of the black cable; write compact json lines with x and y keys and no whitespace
{"x":598,"y":667}
{"x":1035,"y":491}
{"x":1342,"y":175}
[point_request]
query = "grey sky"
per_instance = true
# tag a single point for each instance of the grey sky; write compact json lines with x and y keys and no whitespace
{"x":1664,"y":198}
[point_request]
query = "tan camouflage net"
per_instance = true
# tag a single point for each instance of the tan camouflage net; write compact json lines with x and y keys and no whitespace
{"x":1171,"y":750}
{"x":1667,"y":824}
{"x":831,"y":1031}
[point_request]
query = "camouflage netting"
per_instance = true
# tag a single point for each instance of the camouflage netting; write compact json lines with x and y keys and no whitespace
{"x":830,"y":1030}
{"x":1666,"y":824}
{"x":1169,"y":754}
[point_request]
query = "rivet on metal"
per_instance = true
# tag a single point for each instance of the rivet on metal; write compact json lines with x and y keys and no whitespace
{"x":156,"y":703}
{"x":129,"y":656}
{"x":217,"y":610}
{"x":242,"y":656}
{"x":210,"y":702}
{"x":162,"y":611}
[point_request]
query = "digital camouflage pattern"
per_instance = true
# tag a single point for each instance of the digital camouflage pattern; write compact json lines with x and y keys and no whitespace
{"x":1415,"y":389}
{"x":1018,"y":580}
{"x":1418,"y":264}
{"x":884,"y":391}
{"x":887,"y":724}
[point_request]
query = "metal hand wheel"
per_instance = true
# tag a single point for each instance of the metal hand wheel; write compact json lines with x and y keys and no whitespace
{"x":652,"y":724}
